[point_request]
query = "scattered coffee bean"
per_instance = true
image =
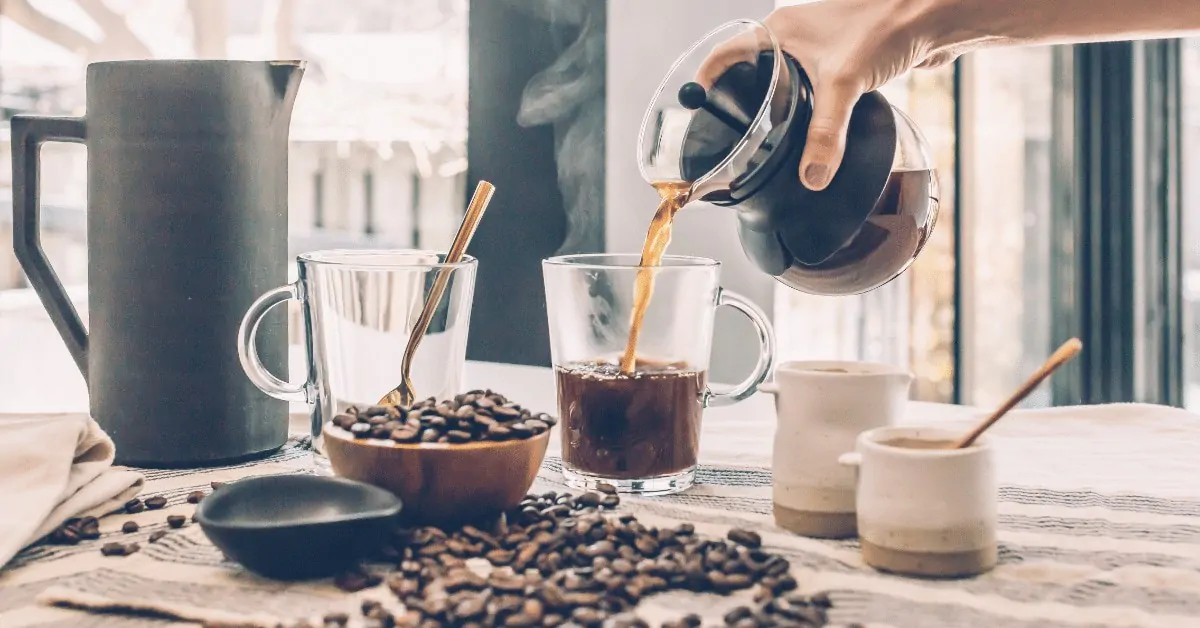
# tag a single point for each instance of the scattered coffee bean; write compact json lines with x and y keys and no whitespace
{"x":156,"y":502}
{"x":176,"y":521}
{"x":129,"y":527}
{"x":356,"y":580}
{"x":72,"y":531}
{"x":748,"y":538}
{"x":157,"y":535}
{"x":474,"y":416}
{"x":337,"y":619}
{"x":119,"y":549}
{"x":195,"y":496}
{"x":134,"y":506}
{"x":561,"y":560}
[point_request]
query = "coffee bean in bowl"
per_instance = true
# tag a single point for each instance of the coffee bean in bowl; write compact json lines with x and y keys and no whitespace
{"x":450,"y":461}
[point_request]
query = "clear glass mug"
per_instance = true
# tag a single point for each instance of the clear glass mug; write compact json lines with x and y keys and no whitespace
{"x":639,"y":432}
{"x":359,"y":307}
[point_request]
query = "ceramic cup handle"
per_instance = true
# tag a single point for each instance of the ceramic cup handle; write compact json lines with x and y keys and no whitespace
{"x":248,"y":353}
{"x":717,"y":396}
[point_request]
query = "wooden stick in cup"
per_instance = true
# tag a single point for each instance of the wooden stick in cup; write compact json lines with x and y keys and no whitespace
{"x":1064,"y":354}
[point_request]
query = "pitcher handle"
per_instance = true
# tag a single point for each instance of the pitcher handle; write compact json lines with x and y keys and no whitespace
{"x":28,"y":135}
{"x":248,"y":352}
{"x":716,"y":396}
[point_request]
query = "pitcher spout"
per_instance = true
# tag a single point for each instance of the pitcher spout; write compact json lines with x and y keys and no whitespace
{"x":285,"y":78}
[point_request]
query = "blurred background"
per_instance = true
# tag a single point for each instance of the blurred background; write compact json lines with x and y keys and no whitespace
{"x":1043,"y":153}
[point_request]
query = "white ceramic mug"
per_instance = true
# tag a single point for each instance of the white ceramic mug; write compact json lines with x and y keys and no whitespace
{"x":821,"y":408}
{"x":925,"y":511}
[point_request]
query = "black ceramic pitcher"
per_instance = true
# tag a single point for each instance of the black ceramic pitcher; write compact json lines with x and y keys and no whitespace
{"x":187,"y":225}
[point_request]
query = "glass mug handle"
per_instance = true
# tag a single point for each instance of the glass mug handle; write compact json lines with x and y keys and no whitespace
{"x":248,"y":353}
{"x":726,"y":396}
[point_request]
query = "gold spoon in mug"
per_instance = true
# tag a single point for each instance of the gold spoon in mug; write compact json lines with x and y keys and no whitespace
{"x":1064,"y":354}
{"x":404,"y":394}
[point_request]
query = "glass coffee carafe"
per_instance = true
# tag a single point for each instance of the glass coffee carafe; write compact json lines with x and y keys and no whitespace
{"x":737,"y":139}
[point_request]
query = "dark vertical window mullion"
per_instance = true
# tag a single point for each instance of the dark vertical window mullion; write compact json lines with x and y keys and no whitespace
{"x":368,"y":180}
{"x":416,"y":210}
{"x":1121,"y":198}
{"x":1162,"y":373}
{"x":319,"y":197}
{"x":958,"y":394}
{"x":1065,"y":222}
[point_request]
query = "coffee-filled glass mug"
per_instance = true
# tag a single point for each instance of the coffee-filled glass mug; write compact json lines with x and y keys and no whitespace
{"x":638,"y":428}
{"x":358,"y":308}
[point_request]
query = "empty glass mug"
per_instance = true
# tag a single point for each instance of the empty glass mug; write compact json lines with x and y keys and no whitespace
{"x":359,"y":307}
{"x":638,"y":428}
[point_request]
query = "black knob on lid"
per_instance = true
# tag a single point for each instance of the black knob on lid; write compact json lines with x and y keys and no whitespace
{"x":693,"y":96}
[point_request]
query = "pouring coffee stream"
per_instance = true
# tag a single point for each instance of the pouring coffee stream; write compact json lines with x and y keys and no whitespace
{"x":404,"y":393}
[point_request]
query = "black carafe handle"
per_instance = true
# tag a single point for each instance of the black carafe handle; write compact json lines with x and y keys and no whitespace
{"x":28,"y":135}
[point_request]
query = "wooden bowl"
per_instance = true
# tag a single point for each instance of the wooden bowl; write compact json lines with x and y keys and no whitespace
{"x":441,"y":483}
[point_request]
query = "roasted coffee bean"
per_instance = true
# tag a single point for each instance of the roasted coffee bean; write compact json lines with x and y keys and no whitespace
{"x":157,"y":535}
{"x":404,"y":435}
{"x":357,"y":580}
{"x":458,"y":436}
{"x":76,"y":530}
{"x":589,"y":500}
{"x":537,"y":427}
{"x":156,"y":502}
{"x":462,"y":419}
{"x":134,"y":506}
{"x":557,"y":559}
{"x":119,"y":549}
{"x":176,"y":521}
{"x":129,"y":527}
{"x":65,"y":535}
{"x":195,"y":496}
{"x":337,"y":619}
{"x":748,"y":538}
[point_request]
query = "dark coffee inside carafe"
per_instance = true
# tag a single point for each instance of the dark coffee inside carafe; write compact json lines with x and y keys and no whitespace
{"x":888,"y":242}
{"x":862,"y":231}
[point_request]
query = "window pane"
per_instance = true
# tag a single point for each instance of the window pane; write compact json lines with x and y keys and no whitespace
{"x":1006,"y":131}
{"x":1190,"y":143}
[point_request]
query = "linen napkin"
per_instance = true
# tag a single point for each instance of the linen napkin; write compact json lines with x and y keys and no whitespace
{"x":55,"y":467}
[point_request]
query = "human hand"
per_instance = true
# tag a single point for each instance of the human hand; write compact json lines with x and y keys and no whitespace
{"x":847,"y":48}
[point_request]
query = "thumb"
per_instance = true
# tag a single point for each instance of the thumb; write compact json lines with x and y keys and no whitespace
{"x":832,"y":103}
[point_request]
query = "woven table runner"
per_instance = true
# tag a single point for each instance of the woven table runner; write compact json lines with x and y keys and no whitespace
{"x":1070,"y":554}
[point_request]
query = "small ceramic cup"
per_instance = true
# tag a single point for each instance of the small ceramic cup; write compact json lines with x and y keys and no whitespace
{"x":924,"y":509}
{"x":821,"y":408}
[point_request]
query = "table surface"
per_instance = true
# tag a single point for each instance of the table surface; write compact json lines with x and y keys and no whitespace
{"x":1099,"y":525}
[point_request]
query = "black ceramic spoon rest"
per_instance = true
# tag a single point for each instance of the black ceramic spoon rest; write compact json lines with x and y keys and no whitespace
{"x":296,"y":527}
